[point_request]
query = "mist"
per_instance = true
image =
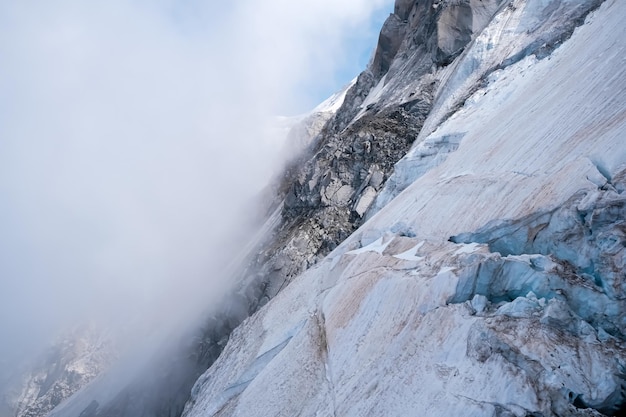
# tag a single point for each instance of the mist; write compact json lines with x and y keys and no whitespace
{"x":133,"y":137}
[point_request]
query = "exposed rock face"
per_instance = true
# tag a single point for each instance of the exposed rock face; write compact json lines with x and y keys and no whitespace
{"x":329,"y":193}
{"x":489,"y":278}
{"x":391,"y":37}
{"x":416,"y":41}
{"x":327,"y":190}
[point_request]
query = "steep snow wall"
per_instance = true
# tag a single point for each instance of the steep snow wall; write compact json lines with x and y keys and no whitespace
{"x":432,"y":56}
{"x":491,"y":283}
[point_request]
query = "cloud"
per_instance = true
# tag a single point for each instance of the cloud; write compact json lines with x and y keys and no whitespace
{"x":132,"y":138}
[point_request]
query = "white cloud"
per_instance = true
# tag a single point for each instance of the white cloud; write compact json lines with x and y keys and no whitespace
{"x":131,"y":141}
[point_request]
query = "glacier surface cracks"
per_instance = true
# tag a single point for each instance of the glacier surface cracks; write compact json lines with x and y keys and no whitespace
{"x":522,"y":288}
{"x":523,"y":315}
{"x":563,"y":270}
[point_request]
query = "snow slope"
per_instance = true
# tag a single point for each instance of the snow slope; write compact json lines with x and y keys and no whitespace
{"x":492,"y":285}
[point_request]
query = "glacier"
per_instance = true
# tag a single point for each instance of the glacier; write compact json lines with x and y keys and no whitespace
{"x":488,"y":279}
{"x":449,"y":238}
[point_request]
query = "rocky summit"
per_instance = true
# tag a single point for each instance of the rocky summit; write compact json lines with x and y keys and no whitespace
{"x":450,"y":239}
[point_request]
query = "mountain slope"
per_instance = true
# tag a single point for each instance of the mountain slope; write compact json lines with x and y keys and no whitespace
{"x":490,"y":280}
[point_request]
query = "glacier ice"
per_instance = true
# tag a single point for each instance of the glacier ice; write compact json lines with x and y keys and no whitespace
{"x":490,"y":282}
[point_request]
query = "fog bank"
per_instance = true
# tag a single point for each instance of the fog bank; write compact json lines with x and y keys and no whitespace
{"x":133,"y":135}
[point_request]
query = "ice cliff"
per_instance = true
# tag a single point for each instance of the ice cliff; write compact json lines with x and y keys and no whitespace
{"x":489,"y":278}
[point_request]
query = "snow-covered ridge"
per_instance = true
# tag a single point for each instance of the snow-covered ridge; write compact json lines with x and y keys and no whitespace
{"x":334,"y":102}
